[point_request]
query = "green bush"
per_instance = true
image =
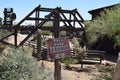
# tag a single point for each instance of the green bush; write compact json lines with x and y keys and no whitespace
{"x":4,"y":33}
{"x":18,"y":64}
{"x":106,"y":72}
{"x":75,"y":42}
{"x":67,"y":61}
{"x":105,"y":25}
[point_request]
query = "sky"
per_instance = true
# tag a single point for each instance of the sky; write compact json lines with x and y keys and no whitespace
{"x":23,"y":7}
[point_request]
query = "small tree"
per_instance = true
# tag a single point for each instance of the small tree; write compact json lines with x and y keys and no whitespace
{"x":106,"y":25}
{"x":77,"y":50}
{"x":75,"y":42}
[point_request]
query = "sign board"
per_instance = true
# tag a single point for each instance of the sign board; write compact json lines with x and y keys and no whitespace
{"x":58,"y":48}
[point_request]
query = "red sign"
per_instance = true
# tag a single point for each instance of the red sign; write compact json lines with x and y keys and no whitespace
{"x":58,"y":48}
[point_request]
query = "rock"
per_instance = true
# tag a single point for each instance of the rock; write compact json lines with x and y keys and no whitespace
{"x":117,"y":69}
{"x":108,"y":64}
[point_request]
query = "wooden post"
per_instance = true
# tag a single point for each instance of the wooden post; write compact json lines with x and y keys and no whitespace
{"x":39,"y":33}
{"x":37,"y":16}
{"x":56,"y":24}
{"x":15,"y":36}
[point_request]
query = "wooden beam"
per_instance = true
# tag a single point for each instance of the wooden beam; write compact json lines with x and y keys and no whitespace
{"x":37,"y":14}
{"x":16,"y":27}
{"x":62,"y":18}
{"x":77,"y":20}
{"x":26,"y":38}
{"x":79,"y":16}
{"x":28,"y":16}
{"x":37,"y":27}
{"x":6,"y":36}
{"x":67,"y":21}
{"x":42,"y":19}
{"x":62,"y":28}
{"x":56,"y":26}
{"x":53,"y":9}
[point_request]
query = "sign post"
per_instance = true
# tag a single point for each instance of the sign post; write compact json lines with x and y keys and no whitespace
{"x":58,"y":48}
{"x":57,"y":64}
{"x":56,"y":24}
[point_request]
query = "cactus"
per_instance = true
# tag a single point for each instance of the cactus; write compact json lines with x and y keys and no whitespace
{"x":39,"y":33}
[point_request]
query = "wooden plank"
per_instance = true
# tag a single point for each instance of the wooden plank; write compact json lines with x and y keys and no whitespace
{"x":27,"y":16}
{"x":35,"y":30}
{"x":42,"y":19}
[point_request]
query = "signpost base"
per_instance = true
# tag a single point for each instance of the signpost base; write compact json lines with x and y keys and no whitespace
{"x":57,"y":73}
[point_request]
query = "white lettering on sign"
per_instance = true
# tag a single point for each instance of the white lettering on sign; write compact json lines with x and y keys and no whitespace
{"x":61,"y":48}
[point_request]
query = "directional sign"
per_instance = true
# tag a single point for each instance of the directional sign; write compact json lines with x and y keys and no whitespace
{"x":58,"y":48}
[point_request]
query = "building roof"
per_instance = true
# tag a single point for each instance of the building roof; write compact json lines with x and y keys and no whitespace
{"x":100,"y":9}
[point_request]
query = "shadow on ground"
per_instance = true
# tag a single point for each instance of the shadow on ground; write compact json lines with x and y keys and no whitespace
{"x":111,"y":57}
{"x":78,"y":69}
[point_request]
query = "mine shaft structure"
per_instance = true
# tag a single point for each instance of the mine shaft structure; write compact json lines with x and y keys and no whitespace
{"x":67,"y":20}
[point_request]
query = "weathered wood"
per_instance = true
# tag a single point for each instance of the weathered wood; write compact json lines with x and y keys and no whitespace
{"x":97,"y":54}
{"x":6,"y":36}
{"x":15,"y":36}
{"x":56,"y":25}
{"x":91,"y":55}
{"x":53,"y":9}
{"x":42,"y":19}
{"x":22,"y":42}
{"x":67,"y":20}
{"x":27,"y":16}
{"x":50,"y":28}
{"x":29,"y":35}
{"x":37,"y":16}
{"x":79,"y":16}
{"x":77,"y":19}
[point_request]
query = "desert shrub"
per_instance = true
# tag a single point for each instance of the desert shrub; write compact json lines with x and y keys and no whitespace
{"x":4,"y":33}
{"x":18,"y":64}
{"x":67,"y":61}
{"x":106,"y":72}
{"x":75,"y":42}
{"x":77,"y":50}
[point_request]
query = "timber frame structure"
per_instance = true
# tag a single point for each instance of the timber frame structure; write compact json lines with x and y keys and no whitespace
{"x":70,"y":20}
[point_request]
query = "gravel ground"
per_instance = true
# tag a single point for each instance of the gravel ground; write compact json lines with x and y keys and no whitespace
{"x":89,"y":72}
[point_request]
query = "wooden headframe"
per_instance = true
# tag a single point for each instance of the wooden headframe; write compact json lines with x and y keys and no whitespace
{"x":70,"y":18}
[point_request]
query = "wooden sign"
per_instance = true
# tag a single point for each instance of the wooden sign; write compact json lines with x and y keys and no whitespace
{"x":58,"y":48}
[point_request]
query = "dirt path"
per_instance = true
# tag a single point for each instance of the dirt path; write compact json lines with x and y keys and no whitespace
{"x":20,"y":38}
{"x":89,"y":72}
